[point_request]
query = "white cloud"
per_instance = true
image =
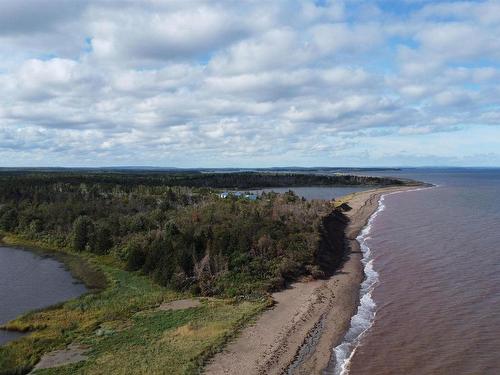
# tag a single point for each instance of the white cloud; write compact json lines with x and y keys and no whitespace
{"x":207,"y":82}
{"x":141,"y":35}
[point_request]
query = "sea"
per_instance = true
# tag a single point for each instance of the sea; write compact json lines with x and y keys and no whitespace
{"x":430,"y":302}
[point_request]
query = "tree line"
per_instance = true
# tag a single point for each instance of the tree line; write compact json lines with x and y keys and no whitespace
{"x":175,"y":227}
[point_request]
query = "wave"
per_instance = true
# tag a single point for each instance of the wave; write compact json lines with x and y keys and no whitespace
{"x":365,"y":316}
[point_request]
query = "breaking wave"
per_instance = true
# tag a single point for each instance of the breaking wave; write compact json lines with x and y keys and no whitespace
{"x":365,"y":315}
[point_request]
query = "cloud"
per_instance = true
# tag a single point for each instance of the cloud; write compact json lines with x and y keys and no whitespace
{"x":142,"y":35}
{"x":223,"y":82}
{"x":37,"y":16}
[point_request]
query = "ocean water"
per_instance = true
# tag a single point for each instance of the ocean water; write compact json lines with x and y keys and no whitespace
{"x":431,"y":301}
{"x":29,"y":281}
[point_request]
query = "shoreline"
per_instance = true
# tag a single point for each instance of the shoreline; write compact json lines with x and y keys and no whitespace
{"x":78,"y":265}
{"x":128,"y":308}
{"x":297,"y":336}
{"x":309,"y":319}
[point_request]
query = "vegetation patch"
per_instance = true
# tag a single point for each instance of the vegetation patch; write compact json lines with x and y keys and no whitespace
{"x":141,"y":241}
{"x":186,"y":237}
{"x":123,"y":328}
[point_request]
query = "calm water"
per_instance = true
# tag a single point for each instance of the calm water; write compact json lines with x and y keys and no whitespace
{"x":436,"y":256}
{"x":316,"y":192}
{"x":29,"y":281}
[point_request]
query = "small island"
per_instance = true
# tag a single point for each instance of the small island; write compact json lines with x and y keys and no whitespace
{"x":177,"y":271}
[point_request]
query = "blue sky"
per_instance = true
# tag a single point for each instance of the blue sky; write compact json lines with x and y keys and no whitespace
{"x":249,"y":83}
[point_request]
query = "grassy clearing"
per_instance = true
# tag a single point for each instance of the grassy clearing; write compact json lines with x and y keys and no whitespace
{"x":123,"y":328}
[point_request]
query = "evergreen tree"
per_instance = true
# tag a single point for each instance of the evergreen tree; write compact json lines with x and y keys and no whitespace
{"x":83,"y":229}
{"x":103,"y":240}
{"x":8,"y":221}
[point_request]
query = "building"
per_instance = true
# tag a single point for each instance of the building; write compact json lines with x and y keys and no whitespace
{"x":238,"y":194}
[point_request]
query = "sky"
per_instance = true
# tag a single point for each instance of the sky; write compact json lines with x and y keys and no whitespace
{"x":249,"y":83}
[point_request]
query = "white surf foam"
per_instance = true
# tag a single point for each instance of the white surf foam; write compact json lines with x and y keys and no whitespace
{"x":365,"y":316}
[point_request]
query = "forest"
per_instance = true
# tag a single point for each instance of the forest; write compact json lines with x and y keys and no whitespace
{"x":175,"y":227}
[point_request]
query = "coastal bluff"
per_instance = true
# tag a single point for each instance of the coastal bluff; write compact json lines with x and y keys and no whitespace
{"x":298,"y":333}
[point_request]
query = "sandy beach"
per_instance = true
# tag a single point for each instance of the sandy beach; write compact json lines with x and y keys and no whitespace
{"x":297,"y":335}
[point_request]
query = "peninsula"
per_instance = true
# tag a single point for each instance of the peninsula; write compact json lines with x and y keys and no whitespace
{"x":183,"y":280}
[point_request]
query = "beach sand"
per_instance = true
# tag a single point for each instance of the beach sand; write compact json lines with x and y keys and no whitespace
{"x":298,"y":334}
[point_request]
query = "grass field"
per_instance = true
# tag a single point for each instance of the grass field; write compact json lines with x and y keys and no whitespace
{"x":122,"y":327}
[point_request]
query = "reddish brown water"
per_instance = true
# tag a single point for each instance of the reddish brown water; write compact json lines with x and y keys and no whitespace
{"x":437,"y":297}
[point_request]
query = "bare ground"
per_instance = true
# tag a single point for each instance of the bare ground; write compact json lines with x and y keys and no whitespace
{"x":180,"y":304}
{"x":72,"y":354}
